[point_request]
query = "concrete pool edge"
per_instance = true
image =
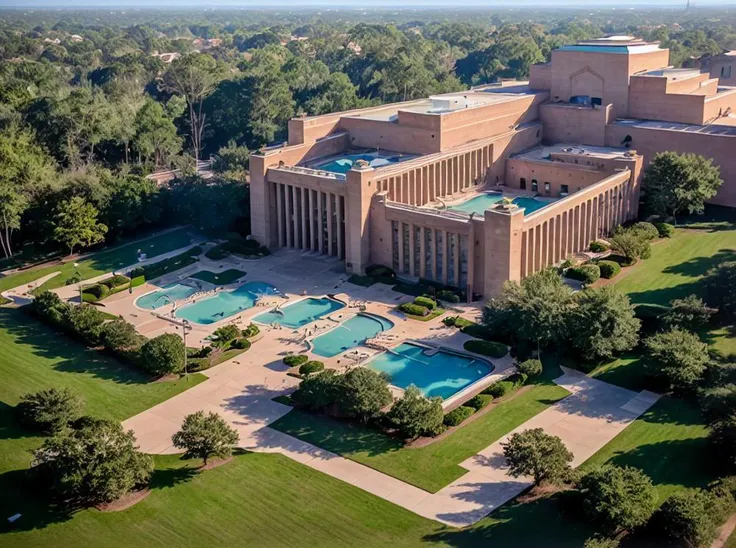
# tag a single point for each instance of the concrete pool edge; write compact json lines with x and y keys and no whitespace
{"x":330,"y":296}
{"x":380,"y":319}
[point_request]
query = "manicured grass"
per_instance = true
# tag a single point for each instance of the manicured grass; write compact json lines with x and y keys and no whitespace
{"x":219,"y":278}
{"x":430,"y":467}
{"x":102,"y":261}
{"x":436,"y":313}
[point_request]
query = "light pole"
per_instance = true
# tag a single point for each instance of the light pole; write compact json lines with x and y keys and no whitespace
{"x":185,"y":326}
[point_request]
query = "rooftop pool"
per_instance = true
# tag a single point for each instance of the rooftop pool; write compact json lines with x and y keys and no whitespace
{"x":480,"y":203}
{"x":343,"y":163}
{"x":350,"y":334}
{"x":434,"y":372}
{"x":301,"y":313}
{"x":226,"y":303}
{"x":168,"y":294}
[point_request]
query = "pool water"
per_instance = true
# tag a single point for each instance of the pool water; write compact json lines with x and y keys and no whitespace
{"x":166,"y":295}
{"x":482,"y":202}
{"x":441,"y":374}
{"x":301,"y":313}
{"x":345,"y":163}
{"x":225,"y":303}
{"x":350,"y":334}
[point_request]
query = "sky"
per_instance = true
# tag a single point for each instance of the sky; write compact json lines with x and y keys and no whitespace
{"x":351,"y":3}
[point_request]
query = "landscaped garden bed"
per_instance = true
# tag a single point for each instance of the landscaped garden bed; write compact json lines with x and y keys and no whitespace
{"x":225,"y":277}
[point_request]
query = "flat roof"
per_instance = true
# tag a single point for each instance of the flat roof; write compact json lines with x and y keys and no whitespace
{"x":543,"y":152}
{"x":712,"y":129}
{"x":672,"y":73}
{"x":613,"y":44}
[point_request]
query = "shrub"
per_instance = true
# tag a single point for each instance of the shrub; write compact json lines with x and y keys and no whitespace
{"x":251,"y":331}
{"x":650,"y":316}
{"x":647,"y":230}
{"x":537,"y":454}
{"x":310,"y":367}
{"x":216,"y":253}
{"x":689,"y":313}
{"x":120,"y":335}
{"x":689,"y":518}
{"x":720,"y":287}
{"x":665,"y":230}
{"x":137,"y":272}
{"x":415,"y":415}
{"x":85,"y":321}
{"x":223,"y":335}
{"x":632,"y":244}
{"x":449,"y":321}
{"x":97,"y":291}
{"x":292,"y":360}
{"x":163,"y":354}
{"x":137,"y":281}
{"x":116,"y":281}
{"x":448,"y":295}
{"x":479,"y":401}
{"x":609,"y":269}
{"x":677,"y":356}
{"x":49,"y":306}
{"x":587,"y":273}
{"x":318,"y":391}
{"x":425,"y":302}
{"x":458,"y":415}
{"x":499,"y":389}
{"x":379,"y":271}
{"x":73,"y":280}
{"x":414,"y":309}
{"x":49,"y":410}
{"x":205,"y":436}
{"x":598,"y":247}
{"x":240,"y":344}
{"x":601,"y":542}
{"x":363,"y":393}
{"x":486,"y":348}
{"x":531,"y":368}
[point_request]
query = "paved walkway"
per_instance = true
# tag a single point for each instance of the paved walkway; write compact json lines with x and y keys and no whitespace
{"x":242,"y":391}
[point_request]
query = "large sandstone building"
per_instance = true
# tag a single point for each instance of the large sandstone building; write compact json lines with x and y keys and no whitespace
{"x":475,"y":188}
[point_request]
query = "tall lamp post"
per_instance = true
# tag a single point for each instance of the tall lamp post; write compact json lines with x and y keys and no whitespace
{"x":185,"y":326}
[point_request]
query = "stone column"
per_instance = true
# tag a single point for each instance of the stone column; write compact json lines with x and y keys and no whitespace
{"x":456,"y":237}
{"x":445,"y":247}
{"x":503,"y":239}
{"x":329,"y":223}
{"x":412,"y":243}
{"x":279,"y":215}
{"x":304,"y":218}
{"x":422,"y":252}
{"x":471,"y":259}
{"x":358,"y":199}
{"x":433,"y":260}
{"x":320,"y":224}
{"x":339,"y":227}
{"x":312,"y":222}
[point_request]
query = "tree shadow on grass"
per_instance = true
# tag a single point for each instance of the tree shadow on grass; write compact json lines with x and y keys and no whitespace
{"x":699,"y":266}
{"x":171,"y":477}
{"x":68,"y":354}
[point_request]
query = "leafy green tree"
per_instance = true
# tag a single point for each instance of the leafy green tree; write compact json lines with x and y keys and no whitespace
{"x":677,"y":356}
{"x":49,"y":306}
{"x":232,"y":162}
{"x":631,"y":244}
{"x":601,"y":542}
{"x":93,"y":463}
{"x":689,"y":518}
{"x":75,"y":223}
{"x":50,"y":410}
{"x":723,"y":441}
{"x":718,"y":402}
{"x":318,"y":391}
{"x":603,"y":324}
{"x":689,"y":313}
{"x":617,"y":498}
{"x":363,"y":393}
{"x":120,"y":335}
{"x":205,"y":436}
{"x":156,"y":138}
{"x":337,"y":94}
{"x":539,"y":455}
{"x":720,"y":287}
{"x":225,"y":334}
{"x":680,"y":183}
{"x":415,"y":415}
{"x":164,"y":354}
{"x":134,"y":202}
{"x":86,"y":321}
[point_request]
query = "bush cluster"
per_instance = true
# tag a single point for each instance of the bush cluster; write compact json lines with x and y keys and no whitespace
{"x":414,"y":309}
{"x":458,"y":415}
{"x":609,"y":269}
{"x":448,"y":295}
{"x":479,"y":401}
{"x":382,"y":274}
{"x":310,"y":367}
{"x":251,"y":331}
{"x":598,"y":247}
{"x":486,"y":348}
{"x":426,"y":302}
{"x":647,"y":230}
{"x":531,"y":368}
{"x":665,"y":230}
{"x":292,"y":360}
{"x":49,"y":411}
{"x":511,"y":384}
{"x":587,"y":273}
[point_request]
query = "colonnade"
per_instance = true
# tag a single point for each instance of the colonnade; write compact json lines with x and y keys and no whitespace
{"x":443,"y":177}
{"x":310,"y":219}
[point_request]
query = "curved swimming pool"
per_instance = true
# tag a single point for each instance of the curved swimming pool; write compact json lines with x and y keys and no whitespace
{"x":168,"y":294}
{"x":226,"y":303}
{"x":434,"y":372}
{"x":301,"y":313}
{"x":350,"y":334}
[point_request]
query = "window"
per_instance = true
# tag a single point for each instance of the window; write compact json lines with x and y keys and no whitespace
{"x":535,"y":185}
{"x":726,"y":71}
{"x":564,"y":189}
{"x":522,"y":183}
{"x":547,"y":188}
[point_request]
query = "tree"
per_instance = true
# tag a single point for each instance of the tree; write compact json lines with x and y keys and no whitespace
{"x":603,"y":324}
{"x":318,"y":391}
{"x":50,"y":410}
{"x":155,"y":136}
{"x":223,"y":335}
{"x":232,"y":162}
{"x":632,"y":244}
{"x":678,"y":356}
{"x":600,"y":542}
{"x":690,"y":518}
{"x":680,"y":183}
{"x":75,"y":223}
{"x":363,"y":393}
{"x":93,"y":463}
{"x":723,"y":440}
{"x":536,"y":454}
{"x":720,"y":287}
{"x":120,"y":335}
{"x":194,"y":77}
{"x":533,"y":311}
{"x":617,"y":498}
{"x":205,"y":436}
{"x":84,"y":320}
{"x":415,"y":415}
{"x":717,"y":402}
{"x":689,"y":313}
{"x":164,"y":354}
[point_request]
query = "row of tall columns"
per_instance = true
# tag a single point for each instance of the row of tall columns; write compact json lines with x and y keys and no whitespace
{"x":571,"y":231}
{"x":309,"y":219}
{"x":445,"y":177}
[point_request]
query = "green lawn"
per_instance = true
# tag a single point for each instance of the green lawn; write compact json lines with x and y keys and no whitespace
{"x":218,"y":278}
{"x":102,"y":261}
{"x":430,"y":467}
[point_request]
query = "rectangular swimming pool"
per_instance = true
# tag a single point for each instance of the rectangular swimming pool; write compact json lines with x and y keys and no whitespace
{"x":301,"y":313}
{"x":343,"y":163}
{"x":434,"y":372}
{"x":350,"y":334}
{"x":480,"y":203}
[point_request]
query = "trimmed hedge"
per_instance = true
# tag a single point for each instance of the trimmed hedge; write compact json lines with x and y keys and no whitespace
{"x":487,"y":348}
{"x":665,"y":230}
{"x":647,"y":230}
{"x":531,"y":368}
{"x":598,"y":247}
{"x":458,"y":415}
{"x":414,"y":309}
{"x":95,"y":293}
{"x":425,"y":302}
{"x":609,"y":269}
{"x":251,"y":331}
{"x":293,"y":360}
{"x":138,"y":280}
{"x":240,"y":344}
{"x":479,"y":402}
{"x":448,"y":296}
{"x":587,"y":273}
{"x":311,"y":367}
{"x":116,"y":281}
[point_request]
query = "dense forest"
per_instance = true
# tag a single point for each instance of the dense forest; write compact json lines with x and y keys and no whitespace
{"x":91,"y":102}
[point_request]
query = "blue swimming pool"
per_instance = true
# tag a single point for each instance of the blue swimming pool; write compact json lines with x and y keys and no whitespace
{"x":435,"y":373}
{"x":344,"y":163}
{"x":350,"y":334}
{"x":168,"y":294}
{"x":482,"y":202}
{"x":301,"y":313}
{"x":226,"y":303}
